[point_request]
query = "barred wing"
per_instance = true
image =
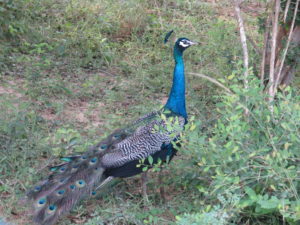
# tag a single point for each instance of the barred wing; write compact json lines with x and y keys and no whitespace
{"x":150,"y":133}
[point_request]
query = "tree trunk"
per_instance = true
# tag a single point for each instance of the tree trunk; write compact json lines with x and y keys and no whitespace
{"x":278,"y":69}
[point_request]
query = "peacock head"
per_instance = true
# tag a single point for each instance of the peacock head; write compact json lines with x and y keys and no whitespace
{"x":184,"y":43}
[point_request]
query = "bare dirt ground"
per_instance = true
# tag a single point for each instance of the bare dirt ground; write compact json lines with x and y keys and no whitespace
{"x":78,"y":110}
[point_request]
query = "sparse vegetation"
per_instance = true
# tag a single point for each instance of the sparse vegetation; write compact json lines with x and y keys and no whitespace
{"x":71,"y":71}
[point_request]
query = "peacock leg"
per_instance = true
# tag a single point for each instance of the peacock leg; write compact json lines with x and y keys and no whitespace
{"x":161,"y":187}
{"x":144,"y":186}
{"x":106,"y":181}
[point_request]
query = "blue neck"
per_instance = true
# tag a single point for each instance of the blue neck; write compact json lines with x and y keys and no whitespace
{"x":176,"y":101}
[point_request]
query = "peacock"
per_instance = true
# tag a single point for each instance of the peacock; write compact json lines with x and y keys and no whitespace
{"x":117,"y":156}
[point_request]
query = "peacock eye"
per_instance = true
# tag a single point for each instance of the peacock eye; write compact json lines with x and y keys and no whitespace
{"x":60,"y":192}
{"x":93,"y":160}
{"x":72,"y":186}
{"x":42,"y":201}
{"x":80,"y":183}
{"x":62,"y":169}
{"x":103,"y":147}
{"x":51,"y":209}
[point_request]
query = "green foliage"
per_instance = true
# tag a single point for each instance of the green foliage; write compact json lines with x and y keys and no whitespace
{"x":253,"y":156}
{"x":221,"y":47}
{"x":21,"y":130}
{"x":11,"y":28}
{"x":214,"y":217}
{"x":124,"y":39}
{"x":109,"y":55}
{"x":63,"y":141}
{"x":291,"y":10}
{"x":11,"y":13}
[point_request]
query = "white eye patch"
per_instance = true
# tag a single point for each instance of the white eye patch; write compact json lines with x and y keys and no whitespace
{"x":184,"y":43}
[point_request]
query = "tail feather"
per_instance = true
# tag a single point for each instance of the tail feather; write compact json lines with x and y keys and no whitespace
{"x":68,"y":184}
{"x":64,"y":197}
{"x":70,"y":181}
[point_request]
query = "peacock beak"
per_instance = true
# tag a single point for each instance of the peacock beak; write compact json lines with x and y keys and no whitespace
{"x":193,"y":43}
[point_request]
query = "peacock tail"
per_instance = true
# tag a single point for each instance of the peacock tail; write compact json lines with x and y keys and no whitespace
{"x":80,"y":175}
{"x":118,"y":155}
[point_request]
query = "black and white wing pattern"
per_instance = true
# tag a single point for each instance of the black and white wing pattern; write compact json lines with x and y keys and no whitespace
{"x":143,"y":138}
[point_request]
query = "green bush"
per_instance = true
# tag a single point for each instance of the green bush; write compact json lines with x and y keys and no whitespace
{"x":10,"y":19}
{"x":242,"y":169}
{"x":253,"y":159}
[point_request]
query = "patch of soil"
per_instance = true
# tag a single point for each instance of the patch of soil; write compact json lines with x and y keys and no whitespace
{"x":79,"y":111}
{"x":8,"y":90}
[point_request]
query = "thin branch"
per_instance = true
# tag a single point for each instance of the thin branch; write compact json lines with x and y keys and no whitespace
{"x":273,"y":50}
{"x":263,"y":61}
{"x":213,"y":81}
{"x":287,"y":45}
{"x":228,"y":91}
{"x":243,"y":41}
{"x":287,"y":6}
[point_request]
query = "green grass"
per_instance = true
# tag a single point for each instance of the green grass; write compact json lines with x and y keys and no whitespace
{"x":73,"y":71}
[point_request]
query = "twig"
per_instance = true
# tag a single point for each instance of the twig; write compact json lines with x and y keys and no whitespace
{"x":243,"y":40}
{"x":213,"y":81}
{"x":273,"y":51}
{"x":108,"y":73}
{"x":287,"y":46}
{"x":229,"y":92}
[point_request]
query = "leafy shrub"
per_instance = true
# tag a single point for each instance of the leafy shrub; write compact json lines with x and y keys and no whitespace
{"x":11,"y":12}
{"x":11,"y":28}
{"x":254,"y":158}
